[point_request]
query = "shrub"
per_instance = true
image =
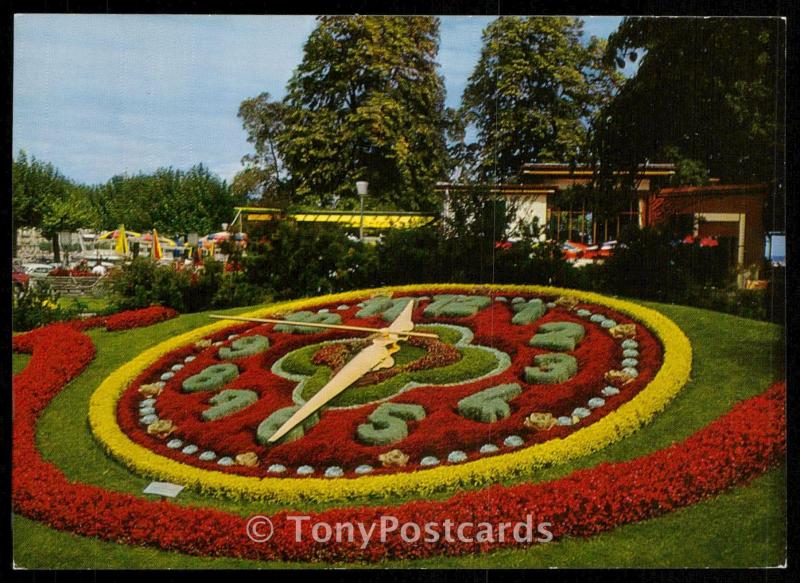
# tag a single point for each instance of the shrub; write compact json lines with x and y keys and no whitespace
{"x":37,"y":306}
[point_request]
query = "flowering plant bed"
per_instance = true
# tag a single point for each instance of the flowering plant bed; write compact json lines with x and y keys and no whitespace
{"x":730,"y":451}
{"x":550,"y":420}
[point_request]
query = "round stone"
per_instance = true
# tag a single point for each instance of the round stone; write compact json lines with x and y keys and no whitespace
{"x":583,"y":313}
{"x":501,"y":299}
{"x":305,"y":470}
{"x":564,"y":420}
{"x":167,"y":375}
{"x":189,"y":358}
{"x":630,"y":353}
{"x":148,"y":419}
{"x":429,"y":460}
{"x":630,"y":371}
{"x":609,"y":391}
{"x":455,"y":457}
{"x":630,"y":343}
{"x":363,"y":469}
{"x":581,"y":412}
{"x":323,"y":311}
{"x":423,"y":298}
{"x":174,"y":443}
{"x":145,"y":411}
{"x":232,"y":336}
{"x":513,"y":441}
{"x":596,"y":402}
{"x":217,"y":343}
{"x":608,"y":323}
{"x":517,"y":300}
{"x":343,"y":307}
{"x":489,"y":448}
{"x":334,"y":472}
{"x":550,"y":305}
{"x":597,"y":318}
{"x":630,"y":362}
{"x":276,"y":469}
{"x":160,"y":384}
{"x":190,"y":449}
{"x":207,"y":456}
{"x":177,"y":367}
{"x":147,"y":403}
{"x":225,"y":461}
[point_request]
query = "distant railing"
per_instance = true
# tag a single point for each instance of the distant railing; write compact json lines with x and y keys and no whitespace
{"x":69,"y":285}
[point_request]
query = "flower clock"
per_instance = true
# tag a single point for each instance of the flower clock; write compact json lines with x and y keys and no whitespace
{"x":391,"y":391}
{"x":418,"y":402}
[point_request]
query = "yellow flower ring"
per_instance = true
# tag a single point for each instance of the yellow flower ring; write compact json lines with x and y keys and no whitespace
{"x":671,"y":377}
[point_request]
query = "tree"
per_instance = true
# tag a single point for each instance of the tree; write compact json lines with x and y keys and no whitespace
{"x":705,"y":88}
{"x":172,"y":201}
{"x":366,"y":103}
{"x":533,"y":93}
{"x":264,"y":175}
{"x":44,"y":199}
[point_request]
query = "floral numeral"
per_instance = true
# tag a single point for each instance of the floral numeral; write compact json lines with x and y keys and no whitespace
{"x":558,"y":336}
{"x":528,"y":312}
{"x":311,"y":318}
{"x":242,"y":347}
{"x":228,"y":402}
{"x":211,"y":378}
{"x":551,"y":368}
{"x":389,"y":308}
{"x":489,"y":405}
{"x":456,"y":306}
{"x":274,"y":422}
{"x":388,"y":423}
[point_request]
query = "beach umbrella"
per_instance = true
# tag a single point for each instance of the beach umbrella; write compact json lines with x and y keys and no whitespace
{"x":122,"y":241}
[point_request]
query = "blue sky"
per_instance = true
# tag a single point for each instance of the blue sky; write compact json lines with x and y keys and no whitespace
{"x":98,"y":95}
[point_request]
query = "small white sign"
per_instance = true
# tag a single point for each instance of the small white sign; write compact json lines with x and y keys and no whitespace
{"x":163,"y":489}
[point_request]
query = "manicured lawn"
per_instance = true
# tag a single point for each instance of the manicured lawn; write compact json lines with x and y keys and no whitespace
{"x":734,"y":358}
{"x":92,"y":304}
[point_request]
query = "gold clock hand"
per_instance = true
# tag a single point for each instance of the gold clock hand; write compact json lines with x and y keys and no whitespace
{"x":319,"y":325}
{"x":376,"y":356}
{"x":365,"y":361}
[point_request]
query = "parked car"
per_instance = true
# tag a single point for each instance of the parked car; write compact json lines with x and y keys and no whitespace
{"x":38,"y":270}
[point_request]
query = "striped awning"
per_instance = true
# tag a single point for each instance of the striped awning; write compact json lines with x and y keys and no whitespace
{"x":372,"y":220}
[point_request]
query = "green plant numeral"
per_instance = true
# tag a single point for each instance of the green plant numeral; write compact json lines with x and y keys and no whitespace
{"x":246,"y":346}
{"x":489,"y":405}
{"x":311,"y":318}
{"x":211,"y":378}
{"x":528,"y":312}
{"x":551,"y":368}
{"x":274,"y":422}
{"x":388,"y":308}
{"x":558,"y":336}
{"x":456,"y":306}
{"x":388,"y":423}
{"x":228,"y":402}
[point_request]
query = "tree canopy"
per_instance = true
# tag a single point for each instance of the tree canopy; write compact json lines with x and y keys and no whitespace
{"x":365,"y":103}
{"x":533,"y":93}
{"x":706,"y":89}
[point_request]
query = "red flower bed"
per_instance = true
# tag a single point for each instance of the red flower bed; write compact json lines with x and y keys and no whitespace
{"x":730,"y":451}
{"x":61,"y":272}
{"x":126,"y":320}
{"x":332,"y":441}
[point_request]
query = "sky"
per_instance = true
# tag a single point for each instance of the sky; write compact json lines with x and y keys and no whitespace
{"x":100,"y":95}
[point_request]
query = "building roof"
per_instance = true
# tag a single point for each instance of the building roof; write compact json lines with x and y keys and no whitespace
{"x":502,"y":189}
{"x":563,"y":169}
{"x":715,"y":189}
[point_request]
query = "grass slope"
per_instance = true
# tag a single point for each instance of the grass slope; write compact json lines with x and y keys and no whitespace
{"x":734,"y":358}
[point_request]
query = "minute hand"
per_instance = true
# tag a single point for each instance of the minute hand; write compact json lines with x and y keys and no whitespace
{"x":361,"y":364}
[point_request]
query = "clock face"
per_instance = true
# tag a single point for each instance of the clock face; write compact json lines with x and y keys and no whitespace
{"x":507,"y":370}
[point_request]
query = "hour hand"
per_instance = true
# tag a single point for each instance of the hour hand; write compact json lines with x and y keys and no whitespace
{"x":365,"y":361}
